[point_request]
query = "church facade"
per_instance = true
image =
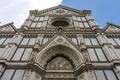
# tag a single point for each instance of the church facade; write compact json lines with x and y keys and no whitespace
{"x":60,"y":43}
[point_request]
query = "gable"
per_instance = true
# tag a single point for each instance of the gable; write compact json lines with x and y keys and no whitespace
{"x":7,"y":28}
{"x":58,"y":10}
{"x":60,"y":40}
{"x":112,"y":28}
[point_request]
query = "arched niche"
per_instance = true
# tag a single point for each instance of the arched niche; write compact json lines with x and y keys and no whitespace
{"x":73,"y":55}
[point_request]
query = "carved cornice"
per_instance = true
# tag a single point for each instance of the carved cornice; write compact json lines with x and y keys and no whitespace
{"x":54,"y":31}
{"x":83,"y":67}
{"x":7,"y":34}
{"x":23,"y":64}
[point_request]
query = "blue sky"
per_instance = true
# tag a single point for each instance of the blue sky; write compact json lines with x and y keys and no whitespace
{"x":102,"y":10}
{"x":17,"y":10}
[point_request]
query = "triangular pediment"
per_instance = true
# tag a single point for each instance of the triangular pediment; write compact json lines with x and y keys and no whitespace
{"x":8,"y":28}
{"x":58,"y":10}
{"x":60,"y":40}
{"x":112,"y":28}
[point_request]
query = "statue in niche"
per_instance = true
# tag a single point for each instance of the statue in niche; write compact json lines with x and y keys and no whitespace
{"x":38,"y":41}
{"x":60,"y":29}
{"x":59,"y":63}
{"x":37,"y":44}
{"x":81,"y":41}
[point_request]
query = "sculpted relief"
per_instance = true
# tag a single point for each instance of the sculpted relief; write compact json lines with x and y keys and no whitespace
{"x":59,"y":63}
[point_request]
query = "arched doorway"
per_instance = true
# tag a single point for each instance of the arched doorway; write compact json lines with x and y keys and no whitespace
{"x":59,"y":62}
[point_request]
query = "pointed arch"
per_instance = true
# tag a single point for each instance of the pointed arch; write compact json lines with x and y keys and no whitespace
{"x":73,"y":54}
{"x":60,"y":45}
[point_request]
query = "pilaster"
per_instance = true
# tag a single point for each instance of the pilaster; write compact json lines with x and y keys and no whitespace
{"x":92,"y":22}
{"x":83,"y":48}
{"x":45,"y":21}
{"x":117,"y":70}
{"x":32,"y":75}
{"x":31,"y":16}
{"x":107,"y":47}
{"x":75,"y":21}
{"x":102,"y":39}
{"x":11,"y":47}
{"x":27,"y":23}
{"x":91,"y":75}
{"x":40,"y":38}
{"x":2,"y":68}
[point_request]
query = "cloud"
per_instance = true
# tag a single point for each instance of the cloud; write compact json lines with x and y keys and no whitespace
{"x":42,"y":4}
{"x":17,"y":10}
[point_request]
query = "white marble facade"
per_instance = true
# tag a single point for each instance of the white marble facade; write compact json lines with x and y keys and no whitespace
{"x":60,"y":43}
